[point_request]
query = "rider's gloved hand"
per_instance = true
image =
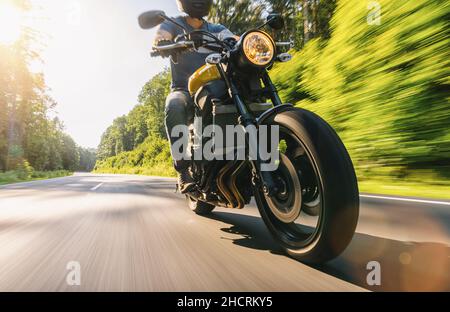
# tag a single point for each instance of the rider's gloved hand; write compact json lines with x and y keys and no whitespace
{"x":197,"y":39}
{"x":230,"y":41}
{"x":162,"y":43}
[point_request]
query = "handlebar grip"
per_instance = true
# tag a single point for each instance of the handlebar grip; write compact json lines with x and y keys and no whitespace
{"x":171,"y":48}
{"x":155,"y":54}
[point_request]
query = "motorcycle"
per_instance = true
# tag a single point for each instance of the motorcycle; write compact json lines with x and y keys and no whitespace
{"x":310,"y":200}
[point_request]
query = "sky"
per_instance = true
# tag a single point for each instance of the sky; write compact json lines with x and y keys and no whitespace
{"x":96,"y":60}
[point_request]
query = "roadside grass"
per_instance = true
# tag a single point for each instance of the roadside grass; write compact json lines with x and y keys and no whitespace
{"x":17,"y":176}
{"x":406,"y":188}
{"x":425,"y":189}
{"x":158,"y":171}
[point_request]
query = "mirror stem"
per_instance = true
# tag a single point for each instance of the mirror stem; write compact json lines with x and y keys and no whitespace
{"x":175,"y":23}
{"x":266,"y":23}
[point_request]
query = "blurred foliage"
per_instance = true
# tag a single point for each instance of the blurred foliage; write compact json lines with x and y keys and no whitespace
{"x":150,"y":158}
{"x":147,"y":118}
{"x":24,"y":170}
{"x":152,"y":101}
{"x":237,"y":15}
{"x":88,"y":158}
{"x":27,"y":132}
{"x":384,"y":88}
{"x":304,"y":19}
{"x":136,"y":143}
{"x":21,"y":175}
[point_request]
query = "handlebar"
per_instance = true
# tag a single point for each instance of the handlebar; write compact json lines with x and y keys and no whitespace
{"x":185,"y":45}
{"x":182,"y":45}
{"x":176,"y":45}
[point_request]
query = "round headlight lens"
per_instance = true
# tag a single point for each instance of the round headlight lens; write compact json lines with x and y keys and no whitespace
{"x":258,"y":48}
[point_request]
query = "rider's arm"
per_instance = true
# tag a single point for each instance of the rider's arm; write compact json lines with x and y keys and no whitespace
{"x":165,"y":32}
{"x":225,"y":33}
{"x":162,"y":35}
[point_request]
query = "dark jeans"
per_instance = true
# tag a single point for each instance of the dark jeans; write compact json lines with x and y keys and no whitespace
{"x":179,"y":111}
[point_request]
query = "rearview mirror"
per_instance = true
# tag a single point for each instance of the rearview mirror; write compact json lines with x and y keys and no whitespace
{"x":151,"y":19}
{"x":275,"y":21}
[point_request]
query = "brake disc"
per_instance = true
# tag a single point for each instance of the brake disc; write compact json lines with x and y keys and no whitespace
{"x":286,"y":205}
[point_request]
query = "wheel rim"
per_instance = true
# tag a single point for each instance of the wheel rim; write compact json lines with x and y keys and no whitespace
{"x":286,"y":204}
{"x":296,"y":233}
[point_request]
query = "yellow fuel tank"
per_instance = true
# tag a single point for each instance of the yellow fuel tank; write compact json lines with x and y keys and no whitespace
{"x":202,"y":76}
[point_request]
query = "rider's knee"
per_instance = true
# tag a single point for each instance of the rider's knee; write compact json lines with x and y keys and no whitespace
{"x":176,"y":103}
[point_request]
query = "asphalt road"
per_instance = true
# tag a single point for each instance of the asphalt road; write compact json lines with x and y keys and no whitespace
{"x":131,"y":233}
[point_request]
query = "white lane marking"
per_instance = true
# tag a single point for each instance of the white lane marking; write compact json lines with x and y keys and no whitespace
{"x":97,"y":187}
{"x":422,"y":201}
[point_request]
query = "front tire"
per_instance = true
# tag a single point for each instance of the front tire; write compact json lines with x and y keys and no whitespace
{"x":330,"y":171}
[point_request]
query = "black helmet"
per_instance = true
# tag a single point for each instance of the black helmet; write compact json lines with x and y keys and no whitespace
{"x":195,"y":8}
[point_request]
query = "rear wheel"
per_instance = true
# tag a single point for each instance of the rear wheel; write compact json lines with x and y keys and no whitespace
{"x":199,"y":207}
{"x":315,"y":212}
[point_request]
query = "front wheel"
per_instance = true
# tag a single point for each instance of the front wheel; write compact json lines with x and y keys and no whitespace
{"x":315,"y":212}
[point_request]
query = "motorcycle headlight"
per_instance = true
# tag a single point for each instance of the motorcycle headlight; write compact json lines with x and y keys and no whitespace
{"x":259,"y":48}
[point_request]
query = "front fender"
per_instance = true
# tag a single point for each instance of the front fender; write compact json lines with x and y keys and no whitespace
{"x":273,"y":111}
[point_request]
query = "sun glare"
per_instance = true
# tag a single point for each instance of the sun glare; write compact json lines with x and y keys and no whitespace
{"x":10,"y":22}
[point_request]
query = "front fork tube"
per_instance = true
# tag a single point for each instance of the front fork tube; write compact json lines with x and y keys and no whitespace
{"x":273,"y":92}
{"x":264,"y":178}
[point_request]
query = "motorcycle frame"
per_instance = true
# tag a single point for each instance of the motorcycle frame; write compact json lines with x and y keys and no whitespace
{"x":264,"y":179}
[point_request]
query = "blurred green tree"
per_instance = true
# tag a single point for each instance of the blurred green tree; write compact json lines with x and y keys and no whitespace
{"x":88,"y":158}
{"x":27,"y":133}
{"x":237,"y":15}
{"x":144,"y":120}
{"x":383,"y":87}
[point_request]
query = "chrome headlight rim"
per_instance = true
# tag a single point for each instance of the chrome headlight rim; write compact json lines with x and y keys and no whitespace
{"x":269,"y":40}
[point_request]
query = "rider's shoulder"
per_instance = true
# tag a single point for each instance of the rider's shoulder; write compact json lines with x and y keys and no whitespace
{"x":169,"y":26}
{"x":181,"y":19}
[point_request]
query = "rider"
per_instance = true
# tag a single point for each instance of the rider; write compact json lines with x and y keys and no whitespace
{"x":179,"y":104}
